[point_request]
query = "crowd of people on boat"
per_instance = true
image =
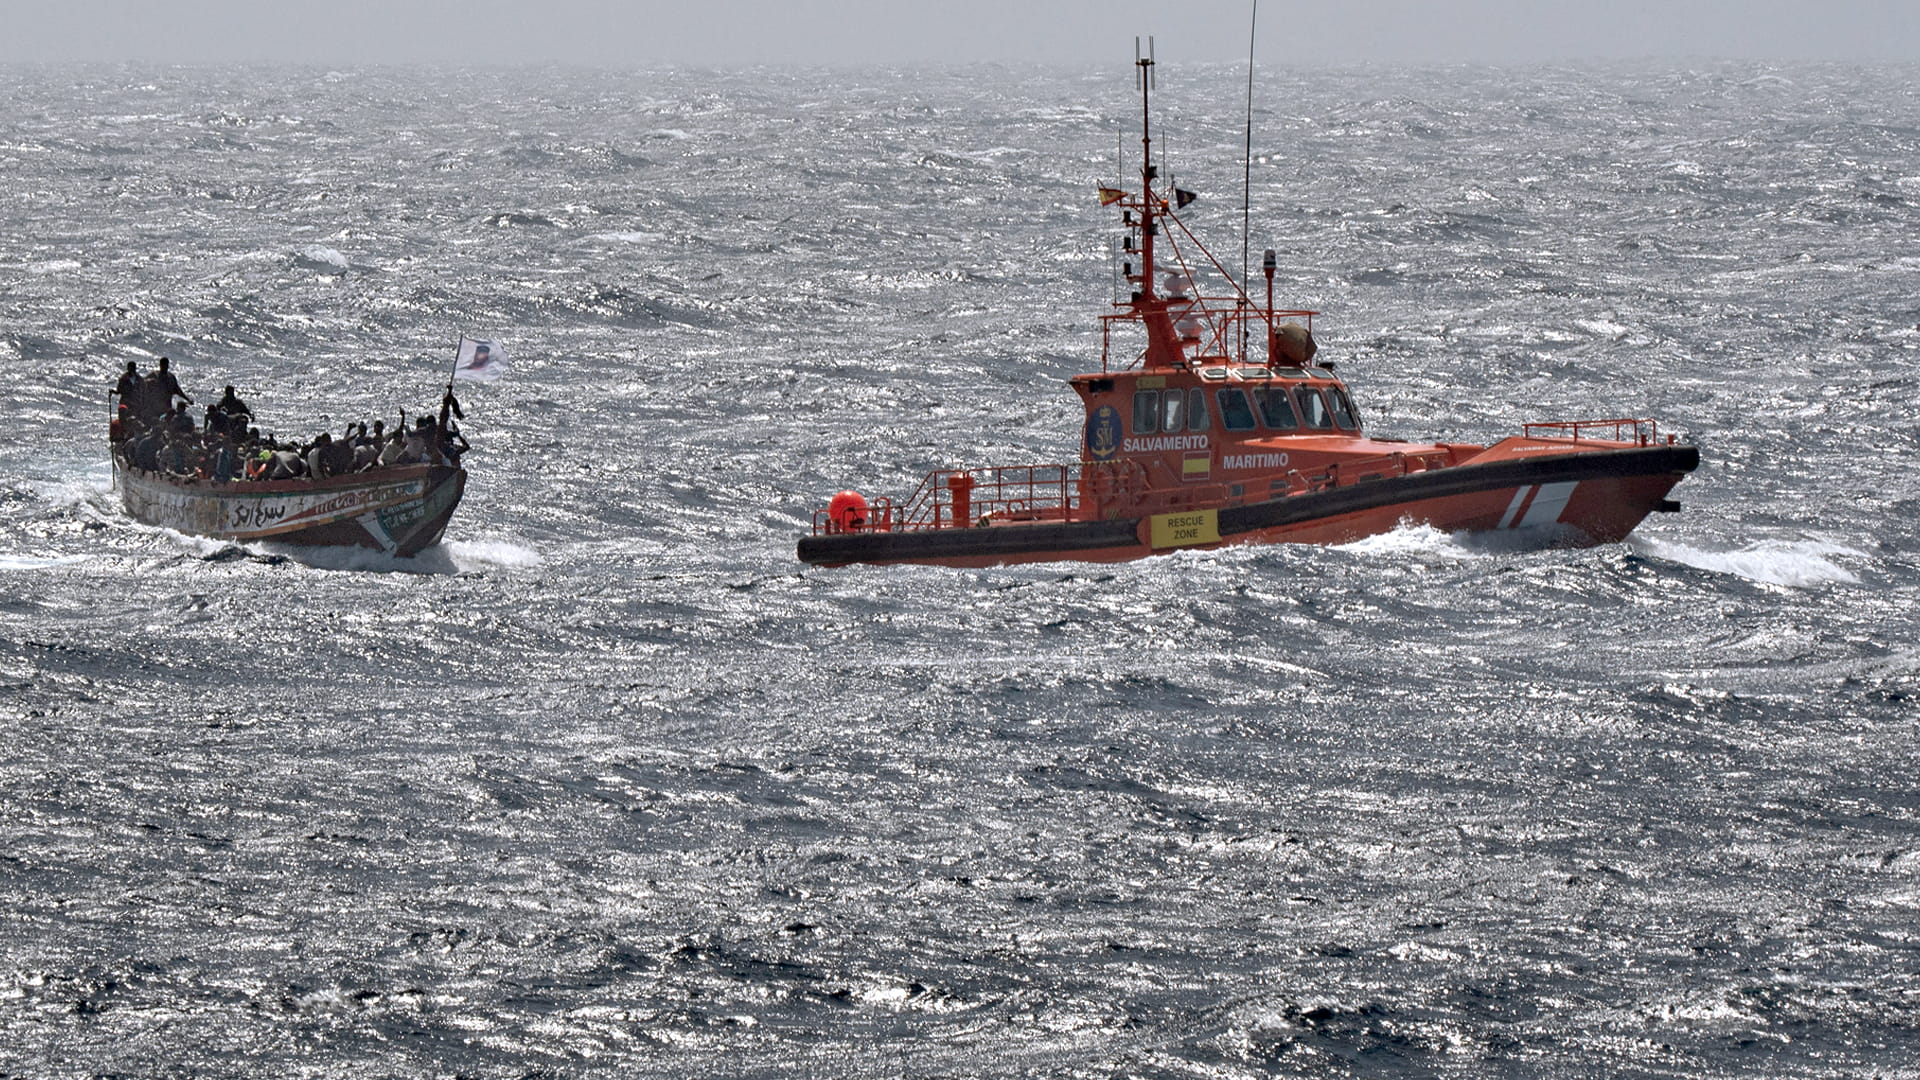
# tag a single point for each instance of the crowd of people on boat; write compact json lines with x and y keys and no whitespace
{"x":153,"y":430}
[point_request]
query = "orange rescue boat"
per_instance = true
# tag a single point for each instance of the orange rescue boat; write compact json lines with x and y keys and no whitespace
{"x":1197,"y":444}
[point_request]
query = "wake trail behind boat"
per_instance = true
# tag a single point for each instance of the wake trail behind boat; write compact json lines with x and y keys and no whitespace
{"x":1793,"y":563}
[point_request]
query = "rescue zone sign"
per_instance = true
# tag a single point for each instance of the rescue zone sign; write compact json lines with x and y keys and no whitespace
{"x":1182,"y":530}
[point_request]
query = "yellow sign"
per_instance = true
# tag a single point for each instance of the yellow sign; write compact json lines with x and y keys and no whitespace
{"x":1180,"y":530}
{"x":1149,"y":382}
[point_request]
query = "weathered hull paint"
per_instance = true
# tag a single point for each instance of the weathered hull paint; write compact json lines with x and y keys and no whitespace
{"x":399,"y":511}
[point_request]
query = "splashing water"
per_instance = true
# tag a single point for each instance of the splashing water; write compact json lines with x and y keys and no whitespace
{"x":1796,"y":563}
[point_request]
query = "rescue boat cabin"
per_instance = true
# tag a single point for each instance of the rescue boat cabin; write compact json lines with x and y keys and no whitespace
{"x":1198,"y":408}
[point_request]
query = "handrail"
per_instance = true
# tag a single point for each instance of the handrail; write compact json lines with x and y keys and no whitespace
{"x":1643,"y":432}
{"x":1220,"y":323}
{"x":975,"y":498}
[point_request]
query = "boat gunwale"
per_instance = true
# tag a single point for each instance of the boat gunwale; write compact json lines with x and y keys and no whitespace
{"x":240,"y":488}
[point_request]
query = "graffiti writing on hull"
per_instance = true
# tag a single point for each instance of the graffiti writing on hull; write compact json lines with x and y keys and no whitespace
{"x":241,"y":514}
{"x":257,"y":515}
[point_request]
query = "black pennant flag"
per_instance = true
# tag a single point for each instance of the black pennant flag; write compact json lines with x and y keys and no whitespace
{"x":1182,"y":197}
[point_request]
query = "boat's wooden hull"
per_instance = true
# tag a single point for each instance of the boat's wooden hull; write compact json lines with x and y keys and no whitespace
{"x":1591,"y":498}
{"x":398,"y":510}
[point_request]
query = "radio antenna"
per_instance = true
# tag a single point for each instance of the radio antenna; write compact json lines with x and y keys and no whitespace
{"x":1246,"y":182}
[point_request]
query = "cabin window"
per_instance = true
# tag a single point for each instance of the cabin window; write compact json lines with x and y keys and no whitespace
{"x":1313,"y":408}
{"x":1276,"y":408}
{"x":1146,"y":412}
{"x":1343,"y":413}
{"x":1196,"y":409}
{"x":1235,"y":413}
{"x":1173,"y":411}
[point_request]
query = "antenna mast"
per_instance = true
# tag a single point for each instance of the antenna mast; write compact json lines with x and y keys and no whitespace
{"x":1246,"y":184}
{"x":1147,"y":171}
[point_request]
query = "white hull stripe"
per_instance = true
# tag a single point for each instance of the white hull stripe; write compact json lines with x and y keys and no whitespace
{"x":1513,"y":508}
{"x":1537,"y":504}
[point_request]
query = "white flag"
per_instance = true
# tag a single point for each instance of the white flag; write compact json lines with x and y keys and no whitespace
{"x":480,"y":361}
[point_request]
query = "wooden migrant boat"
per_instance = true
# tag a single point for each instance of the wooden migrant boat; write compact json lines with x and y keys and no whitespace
{"x":399,"y":510}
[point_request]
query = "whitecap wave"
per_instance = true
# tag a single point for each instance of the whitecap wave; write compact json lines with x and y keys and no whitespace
{"x":1796,"y":563}
{"x":1605,"y":328}
{"x":625,"y":237}
{"x":38,"y":562}
{"x":470,"y":555}
{"x":326,"y":256}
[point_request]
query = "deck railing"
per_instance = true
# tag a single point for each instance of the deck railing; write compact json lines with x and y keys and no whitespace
{"x":961,"y":498}
{"x":981,"y":498}
{"x":970,"y":498}
{"x":1625,"y":429}
{"x":1221,"y":328}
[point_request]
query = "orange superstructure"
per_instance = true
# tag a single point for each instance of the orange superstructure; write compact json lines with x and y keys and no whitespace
{"x":1227,"y":429}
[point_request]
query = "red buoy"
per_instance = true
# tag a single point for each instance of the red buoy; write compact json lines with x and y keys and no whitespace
{"x":848,"y":512}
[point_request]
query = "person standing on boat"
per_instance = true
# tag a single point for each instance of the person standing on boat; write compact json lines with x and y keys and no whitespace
{"x":157,"y":393}
{"x":149,"y":402}
{"x":127,"y":390}
{"x":166,"y":388}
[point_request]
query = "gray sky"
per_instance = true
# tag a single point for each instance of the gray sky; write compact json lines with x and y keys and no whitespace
{"x":742,"y":32}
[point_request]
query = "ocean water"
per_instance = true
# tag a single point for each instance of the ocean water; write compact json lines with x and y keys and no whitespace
{"x":609,"y":784}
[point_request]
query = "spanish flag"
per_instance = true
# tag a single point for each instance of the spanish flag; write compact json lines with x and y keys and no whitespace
{"x":1109,"y":196}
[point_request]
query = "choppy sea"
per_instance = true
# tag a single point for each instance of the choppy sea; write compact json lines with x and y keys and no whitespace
{"x":609,"y":784}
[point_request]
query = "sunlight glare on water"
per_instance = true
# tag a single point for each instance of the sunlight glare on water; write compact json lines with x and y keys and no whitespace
{"x":609,"y":784}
